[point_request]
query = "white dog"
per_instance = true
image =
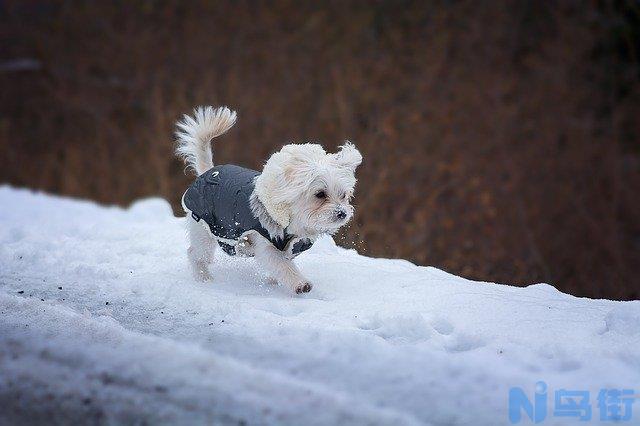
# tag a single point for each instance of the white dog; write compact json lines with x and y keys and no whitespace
{"x":301,"y":193}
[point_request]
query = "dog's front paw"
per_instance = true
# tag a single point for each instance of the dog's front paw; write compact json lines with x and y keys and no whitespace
{"x":202,"y":274}
{"x":303,"y":288}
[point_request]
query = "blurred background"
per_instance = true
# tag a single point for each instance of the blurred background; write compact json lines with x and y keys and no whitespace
{"x":501,"y":139}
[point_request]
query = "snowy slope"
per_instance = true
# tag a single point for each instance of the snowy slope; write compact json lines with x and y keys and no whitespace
{"x":101,"y":320}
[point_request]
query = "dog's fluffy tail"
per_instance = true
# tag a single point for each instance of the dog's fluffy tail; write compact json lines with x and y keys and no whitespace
{"x":194,"y":135}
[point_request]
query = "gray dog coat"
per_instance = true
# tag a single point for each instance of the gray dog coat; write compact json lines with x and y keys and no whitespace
{"x":220,"y":197}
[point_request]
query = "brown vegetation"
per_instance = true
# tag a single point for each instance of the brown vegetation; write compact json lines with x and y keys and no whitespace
{"x":500,"y":138}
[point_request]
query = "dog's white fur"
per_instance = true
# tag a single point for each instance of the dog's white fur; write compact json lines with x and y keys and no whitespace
{"x":287,"y":195}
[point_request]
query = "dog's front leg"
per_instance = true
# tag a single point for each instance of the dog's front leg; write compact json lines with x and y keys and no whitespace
{"x":279,"y":266}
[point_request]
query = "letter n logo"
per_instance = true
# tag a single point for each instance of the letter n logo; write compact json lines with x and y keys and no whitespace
{"x":518,"y":402}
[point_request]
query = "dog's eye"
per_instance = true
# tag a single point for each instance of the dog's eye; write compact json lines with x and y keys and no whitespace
{"x":344,"y":195}
{"x":321,"y":194}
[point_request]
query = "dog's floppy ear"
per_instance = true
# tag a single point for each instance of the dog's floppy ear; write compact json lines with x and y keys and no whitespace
{"x":348,"y":156}
{"x":269,"y":188}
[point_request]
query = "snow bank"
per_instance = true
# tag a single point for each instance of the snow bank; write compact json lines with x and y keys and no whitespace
{"x":101,"y":320}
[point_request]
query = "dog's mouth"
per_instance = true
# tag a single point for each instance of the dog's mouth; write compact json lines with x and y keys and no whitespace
{"x":327,"y":224}
{"x":331,"y":228}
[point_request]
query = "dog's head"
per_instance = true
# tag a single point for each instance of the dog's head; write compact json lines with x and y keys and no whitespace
{"x":308,"y":190}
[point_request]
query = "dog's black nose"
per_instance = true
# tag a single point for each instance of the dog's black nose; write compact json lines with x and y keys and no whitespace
{"x":340,"y":214}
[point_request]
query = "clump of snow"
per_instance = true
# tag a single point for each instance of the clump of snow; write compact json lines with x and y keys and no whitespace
{"x":100,"y":319}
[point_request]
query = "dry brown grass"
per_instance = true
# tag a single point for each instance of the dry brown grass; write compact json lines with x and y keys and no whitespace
{"x":500,"y":139}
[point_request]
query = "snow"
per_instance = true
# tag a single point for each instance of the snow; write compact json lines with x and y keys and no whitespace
{"x":100,"y":319}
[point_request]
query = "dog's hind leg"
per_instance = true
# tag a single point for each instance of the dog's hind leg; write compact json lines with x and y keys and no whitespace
{"x":202,"y":247}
